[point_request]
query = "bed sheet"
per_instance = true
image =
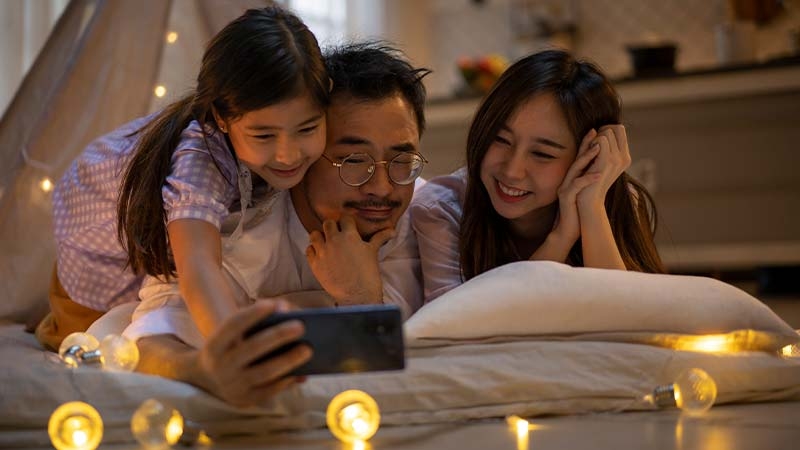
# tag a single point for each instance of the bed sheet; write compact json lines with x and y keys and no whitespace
{"x":448,"y":384}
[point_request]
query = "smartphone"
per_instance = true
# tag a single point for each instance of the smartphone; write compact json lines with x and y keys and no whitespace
{"x":349,"y":339}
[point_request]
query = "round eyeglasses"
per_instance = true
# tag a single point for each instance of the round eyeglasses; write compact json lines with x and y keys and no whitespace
{"x":357,"y":168}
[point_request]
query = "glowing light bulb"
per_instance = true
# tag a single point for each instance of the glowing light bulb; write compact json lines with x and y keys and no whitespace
{"x":353,"y":416}
{"x":156,"y":425}
{"x":46,"y":184}
{"x":172,"y":37}
{"x":75,"y":346}
{"x":693,"y":391}
{"x":160,"y":91}
{"x":791,"y":351}
{"x":119,"y":353}
{"x":75,"y":426}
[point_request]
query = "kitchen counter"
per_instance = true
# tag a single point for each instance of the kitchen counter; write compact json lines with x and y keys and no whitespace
{"x":773,"y":76}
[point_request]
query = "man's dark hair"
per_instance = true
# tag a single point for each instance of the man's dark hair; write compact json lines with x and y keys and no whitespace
{"x":375,"y":70}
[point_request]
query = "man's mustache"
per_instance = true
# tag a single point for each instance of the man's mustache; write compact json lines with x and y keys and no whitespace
{"x":373,"y":203}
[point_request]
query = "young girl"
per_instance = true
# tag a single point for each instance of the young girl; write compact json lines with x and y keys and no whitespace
{"x":544,"y":180}
{"x":154,"y":196}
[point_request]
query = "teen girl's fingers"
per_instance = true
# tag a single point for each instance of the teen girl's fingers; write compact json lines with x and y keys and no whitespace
{"x":587,"y":141}
{"x":617,"y":131}
{"x":618,"y":145}
{"x":580,"y":164}
{"x":381,"y":237}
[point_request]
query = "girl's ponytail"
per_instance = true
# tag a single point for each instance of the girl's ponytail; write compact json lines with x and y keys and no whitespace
{"x":141,"y":219}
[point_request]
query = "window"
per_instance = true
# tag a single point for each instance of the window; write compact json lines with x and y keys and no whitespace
{"x":327,"y":19}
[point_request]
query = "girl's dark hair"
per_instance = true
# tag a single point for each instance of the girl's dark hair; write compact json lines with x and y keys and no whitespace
{"x":260,"y":59}
{"x":589,"y":101}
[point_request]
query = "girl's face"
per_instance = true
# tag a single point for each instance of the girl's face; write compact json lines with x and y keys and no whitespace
{"x":528,"y":159}
{"x":279,"y":142}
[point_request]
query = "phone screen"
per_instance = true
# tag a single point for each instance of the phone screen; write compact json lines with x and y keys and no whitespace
{"x":349,"y":339}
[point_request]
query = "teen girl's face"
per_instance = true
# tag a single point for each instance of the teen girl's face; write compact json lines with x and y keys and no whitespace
{"x":280,"y":142}
{"x":528,"y":159}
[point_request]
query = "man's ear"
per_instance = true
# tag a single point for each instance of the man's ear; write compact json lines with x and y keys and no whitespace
{"x":218,"y":119}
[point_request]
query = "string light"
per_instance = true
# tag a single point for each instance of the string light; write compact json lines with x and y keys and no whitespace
{"x":119,"y":353}
{"x":160,"y":91}
{"x":46,"y":184}
{"x":791,"y":351}
{"x":159,"y":426}
{"x":75,"y":426}
{"x":114,"y":352}
{"x":172,"y":37}
{"x":78,"y":348}
{"x":694,"y":392}
{"x":156,"y":426}
{"x":353,"y":416}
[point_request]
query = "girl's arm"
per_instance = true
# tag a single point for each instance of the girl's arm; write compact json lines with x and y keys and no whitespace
{"x":598,"y":244}
{"x":197,"y":249}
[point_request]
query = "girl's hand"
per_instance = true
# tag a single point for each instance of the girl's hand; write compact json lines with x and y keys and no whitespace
{"x":345,"y":265}
{"x":611,"y":161}
{"x":567,"y":226}
{"x":225,"y":360}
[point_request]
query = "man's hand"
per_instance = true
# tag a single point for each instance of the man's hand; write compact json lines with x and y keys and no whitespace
{"x":225,"y":360}
{"x":345,"y":265}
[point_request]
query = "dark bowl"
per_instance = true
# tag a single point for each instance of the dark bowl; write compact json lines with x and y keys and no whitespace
{"x":650,"y":61}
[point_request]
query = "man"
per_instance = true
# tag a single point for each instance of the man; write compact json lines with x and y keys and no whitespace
{"x":343,"y":229}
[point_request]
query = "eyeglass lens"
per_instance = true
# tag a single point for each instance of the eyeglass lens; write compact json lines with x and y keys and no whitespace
{"x":403,"y":169}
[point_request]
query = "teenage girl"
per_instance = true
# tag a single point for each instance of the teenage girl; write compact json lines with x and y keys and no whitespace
{"x":545,"y":180}
{"x":154,"y":196}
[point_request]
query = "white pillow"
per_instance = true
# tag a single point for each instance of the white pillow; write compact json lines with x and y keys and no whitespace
{"x":543,"y":298}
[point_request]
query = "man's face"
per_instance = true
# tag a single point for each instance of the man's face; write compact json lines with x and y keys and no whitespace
{"x":380,"y":128}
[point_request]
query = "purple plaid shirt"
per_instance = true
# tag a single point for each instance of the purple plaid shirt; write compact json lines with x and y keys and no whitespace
{"x":90,"y":259}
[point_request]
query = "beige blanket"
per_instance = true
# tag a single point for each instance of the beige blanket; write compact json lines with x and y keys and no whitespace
{"x":441,"y":384}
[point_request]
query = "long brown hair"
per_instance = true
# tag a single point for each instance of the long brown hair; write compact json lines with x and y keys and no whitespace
{"x":589,"y":101}
{"x":264,"y":57}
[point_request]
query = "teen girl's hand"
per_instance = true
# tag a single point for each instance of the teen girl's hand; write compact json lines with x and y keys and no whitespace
{"x":225,"y":360}
{"x":345,"y":265}
{"x":612,"y":160}
{"x":567,"y":226}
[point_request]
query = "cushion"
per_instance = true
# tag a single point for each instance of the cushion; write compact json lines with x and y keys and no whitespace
{"x":553,"y":300}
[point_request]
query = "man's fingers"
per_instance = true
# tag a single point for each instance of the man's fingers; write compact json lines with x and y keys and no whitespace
{"x":381,"y":237}
{"x":232,"y":330}
{"x":348,"y":223}
{"x":278,"y":367}
{"x":263,"y":394}
{"x":265,"y":341}
{"x":330,"y":228}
